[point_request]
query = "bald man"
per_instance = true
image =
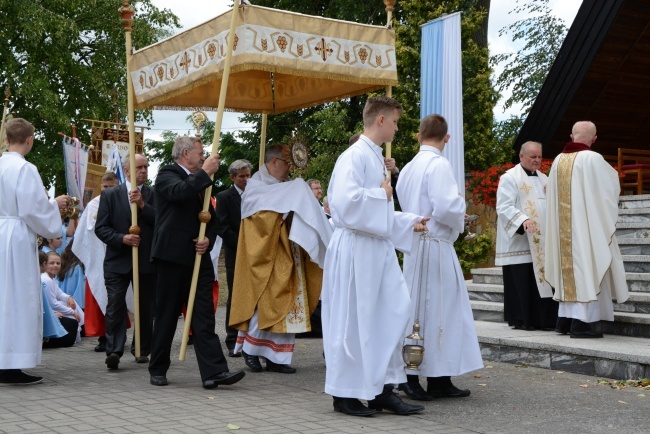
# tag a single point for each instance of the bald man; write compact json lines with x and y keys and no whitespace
{"x":583,"y":262}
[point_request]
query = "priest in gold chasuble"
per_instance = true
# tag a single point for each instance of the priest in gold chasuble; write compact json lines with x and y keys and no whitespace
{"x":583,"y":262}
{"x":278,"y":273}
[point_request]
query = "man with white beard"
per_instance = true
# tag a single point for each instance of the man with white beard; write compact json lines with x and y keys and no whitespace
{"x":439,"y":300}
{"x":365,"y":299}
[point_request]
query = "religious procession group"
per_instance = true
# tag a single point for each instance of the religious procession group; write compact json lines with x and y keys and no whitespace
{"x":282,"y":256}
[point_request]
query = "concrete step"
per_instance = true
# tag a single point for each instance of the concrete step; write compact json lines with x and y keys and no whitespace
{"x":634,"y":215}
{"x":634,"y":201}
{"x":639,"y":302}
{"x":636,"y":282}
{"x":632,"y":230}
{"x":617,"y":357}
{"x":636,"y":263}
{"x":634,"y":246}
{"x":624,"y":324}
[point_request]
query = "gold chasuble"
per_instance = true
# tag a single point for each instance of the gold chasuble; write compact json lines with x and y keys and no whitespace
{"x":582,"y":254}
{"x":274,"y":276}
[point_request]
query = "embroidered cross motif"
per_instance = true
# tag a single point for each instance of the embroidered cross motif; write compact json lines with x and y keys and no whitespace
{"x":323,"y":49}
{"x":185,"y":62}
{"x":525,"y":188}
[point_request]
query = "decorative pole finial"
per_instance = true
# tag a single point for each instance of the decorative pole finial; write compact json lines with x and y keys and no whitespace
{"x":127,"y":11}
{"x":390,"y":7}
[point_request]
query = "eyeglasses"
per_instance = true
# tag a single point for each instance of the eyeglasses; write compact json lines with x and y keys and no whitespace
{"x":288,"y":163}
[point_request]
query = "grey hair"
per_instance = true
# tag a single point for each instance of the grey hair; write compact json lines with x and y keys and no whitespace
{"x":524,"y":148}
{"x":183,"y":143}
{"x":126,"y":163}
{"x":310,"y":182}
{"x":274,"y":151}
{"x":238,"y":165}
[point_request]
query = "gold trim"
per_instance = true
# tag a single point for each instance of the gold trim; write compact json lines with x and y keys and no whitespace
{"x":372,"y":84}
{"x":564,"y":172}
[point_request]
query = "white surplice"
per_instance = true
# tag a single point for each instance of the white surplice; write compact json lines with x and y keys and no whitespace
{"x":91,"y":251}
{"x":427,"y":187}
{"x":24,"y":213}
{"x":365,"y":301}
{"x":583,"y":261}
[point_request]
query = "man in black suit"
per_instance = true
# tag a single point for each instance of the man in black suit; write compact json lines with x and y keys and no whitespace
{"x":228,"y":221}
{"x":179,"y":199}
{"x":112,"y":228}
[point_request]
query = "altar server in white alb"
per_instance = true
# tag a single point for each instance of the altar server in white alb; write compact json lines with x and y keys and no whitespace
{"x":583,"y":261}
{"x":365,"y":301}
{"x":521,"y":209}
{"x":439,"y":300}
{"x":25,"y":212}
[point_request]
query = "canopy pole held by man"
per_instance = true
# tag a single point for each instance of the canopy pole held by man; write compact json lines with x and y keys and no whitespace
{"x":390,"y":7}
{"x":204,"y":216}
{"x":263,"y":139}
{"x":127,"y":11}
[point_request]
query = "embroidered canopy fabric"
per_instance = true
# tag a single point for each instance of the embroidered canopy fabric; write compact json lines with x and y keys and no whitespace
{"x":282,"y":61}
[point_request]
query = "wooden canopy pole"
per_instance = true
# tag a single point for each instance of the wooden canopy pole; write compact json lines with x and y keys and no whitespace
{"x":4,"y":119}
{"x":390,"y":7}
{"x":204,"y":216}
{"x":263,"y":139}
{"x":127,"y":11}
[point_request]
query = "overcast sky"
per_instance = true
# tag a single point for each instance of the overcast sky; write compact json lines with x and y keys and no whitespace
{"x":203,"y":10}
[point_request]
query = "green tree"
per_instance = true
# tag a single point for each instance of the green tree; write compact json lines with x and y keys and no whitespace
{"x":539,"y":36}
{"x":63,"y":60}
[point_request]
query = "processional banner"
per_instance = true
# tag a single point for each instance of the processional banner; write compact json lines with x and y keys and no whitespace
{"x":75,"y":158}
{"x":441,"y":88}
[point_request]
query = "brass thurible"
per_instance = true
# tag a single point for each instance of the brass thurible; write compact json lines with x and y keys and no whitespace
{"x":413,"y":354}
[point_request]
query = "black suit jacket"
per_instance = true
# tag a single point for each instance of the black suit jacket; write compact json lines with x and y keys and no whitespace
{"x":228,"y":222}
{"x":113,"y":223}
{"x":179,"y":199}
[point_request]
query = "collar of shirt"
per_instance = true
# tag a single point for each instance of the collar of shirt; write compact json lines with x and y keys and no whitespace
{"x":430,"y":149}
{"x":239,"y":190}
{"x":15,"y":154}
{"x":528,"y":172}
{"x":185,"y":169}
{"x":373,"y":146}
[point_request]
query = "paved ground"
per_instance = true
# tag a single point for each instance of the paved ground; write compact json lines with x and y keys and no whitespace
{"x":80,"y":395}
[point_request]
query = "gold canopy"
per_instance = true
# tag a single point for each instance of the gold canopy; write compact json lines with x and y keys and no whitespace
{"x":282,"y":61}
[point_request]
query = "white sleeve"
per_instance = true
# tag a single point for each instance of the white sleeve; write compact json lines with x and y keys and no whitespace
{"x":41,"y":215}
{"x":448,"y":205}
{"x":510,"y":217}
{"x":53,"y":295}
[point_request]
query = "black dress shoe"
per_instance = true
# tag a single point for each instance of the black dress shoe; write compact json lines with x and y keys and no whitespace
{"x":112,"y":361}
{"x":100,"y":347}
{"x":232,"y":353}
{"x":450,"y":391}
{"x":16,"y":377}
{"x":142,"y":359}
{"x":223,"y":378}
{"x":252,"y":362}
{"x":158,"y":380}
{"x":277,"y":367}
{"x":561,"y":331}
{"x":393,"y":403}
{"x":525,"y":327}
{"x":415,"y":391}
{"x":352,"y":407}
{"x":589,"y":334}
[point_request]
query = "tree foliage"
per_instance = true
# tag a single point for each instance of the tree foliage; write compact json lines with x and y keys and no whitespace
{"x":539,"y":35}
{"x":65,"y":61}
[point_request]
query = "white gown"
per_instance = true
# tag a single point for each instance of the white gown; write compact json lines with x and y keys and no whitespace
{"x":365,"y":301}
{"x":24,"y":213}
{"x":427,"y":187}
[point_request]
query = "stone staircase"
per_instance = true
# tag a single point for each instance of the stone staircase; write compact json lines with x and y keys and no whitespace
{"x":632,"y":318}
